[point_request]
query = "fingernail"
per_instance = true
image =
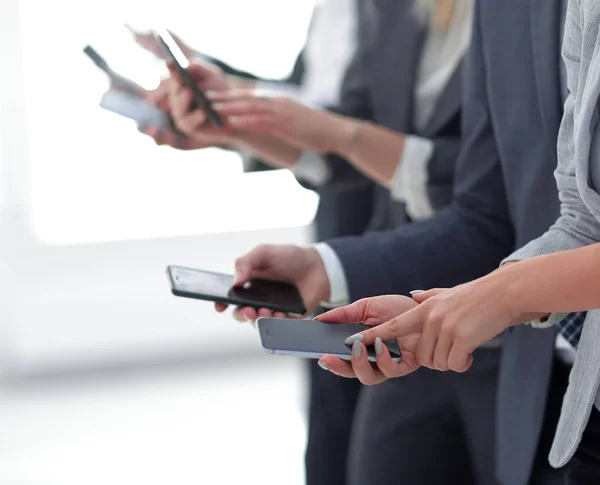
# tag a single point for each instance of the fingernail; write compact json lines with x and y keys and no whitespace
{"x":378,"y":346}
{"x":323,"y":365}
{"x":416,"y":292}
{"x":356,"y":349}
{"x":234,"y":119}
{"x":218,"y":106}
{"x":211,"y":94}
{"x":357,"y":337}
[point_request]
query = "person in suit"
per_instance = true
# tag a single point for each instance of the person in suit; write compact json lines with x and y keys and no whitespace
{"x":504,"y":197}
{"x":551,"y":281}
{"x":399,"y":107}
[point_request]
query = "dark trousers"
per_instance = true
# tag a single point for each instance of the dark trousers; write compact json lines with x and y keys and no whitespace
{"x":584,"y":467}
{"x":543,"y":473}
{"x":332,"y":401}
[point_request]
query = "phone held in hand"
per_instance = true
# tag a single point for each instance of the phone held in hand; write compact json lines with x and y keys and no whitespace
{"x":118,"y":82}
{"x":181,"y":63}
{"x":312,"y":339}
{"x":276,"y":296}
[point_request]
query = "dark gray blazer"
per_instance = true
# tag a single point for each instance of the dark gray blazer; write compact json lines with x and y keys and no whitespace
{"x":379,"y":86}
{"x":504,"y":196}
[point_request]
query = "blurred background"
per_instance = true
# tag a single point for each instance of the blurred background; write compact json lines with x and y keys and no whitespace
{"x":104,"y":376}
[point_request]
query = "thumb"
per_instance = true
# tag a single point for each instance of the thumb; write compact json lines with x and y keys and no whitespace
{"x":420,"y":296}
{"x":243,"y":270}
{"x":354,"y":313}
{"x":403,"y":325}
{"x":249,"y":265}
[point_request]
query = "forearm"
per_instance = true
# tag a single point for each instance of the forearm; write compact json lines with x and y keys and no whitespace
{"x":272,"y":150}
{"x":372,"y":149}
{"x":563,"y":282}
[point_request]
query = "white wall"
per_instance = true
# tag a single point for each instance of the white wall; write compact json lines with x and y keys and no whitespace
{"x":74,"y":305}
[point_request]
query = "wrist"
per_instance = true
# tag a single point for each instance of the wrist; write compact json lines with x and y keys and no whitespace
{"x":341,"y":132}
{"x":319,"y":277}
{"x":516,"y":294}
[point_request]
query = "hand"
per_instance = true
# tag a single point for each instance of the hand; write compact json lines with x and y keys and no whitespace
{"x":453,"y":322}
{"x":300,"y":266}
{"x":373,"y":311}
{"x":194,"y":124}
{"x":159,"y":96}
{"x":289,"y":120}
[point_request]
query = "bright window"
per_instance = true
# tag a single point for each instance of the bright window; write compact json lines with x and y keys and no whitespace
{"x":93,"y":176}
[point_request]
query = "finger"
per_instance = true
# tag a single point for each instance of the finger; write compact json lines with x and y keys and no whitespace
{"x":249,"y":313}
{"x":406,"y":324}
{"x":420,"y":296}
{"x":354,"y":313}
{"x":460,"y":358}
{"x":246,"y":107}
{"x":388,"y":367}
{"x":442,"y":351}
{"x":220,"y":307}
{"x":265,"y":312}
{"x":279,"y":315}
{"x":337,"y":366}
{"x":236,"y":94}
{"x":191,"y":123}
{"x":249,"y":265}
{"x":366,"y":373}
{"x":179,"y":100}
{"x":427,"y":345}
{"x":259,"y":123}
{"x":239,"y":316}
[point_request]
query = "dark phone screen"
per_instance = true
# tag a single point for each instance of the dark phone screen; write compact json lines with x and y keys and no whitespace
{"x":220,"y":286}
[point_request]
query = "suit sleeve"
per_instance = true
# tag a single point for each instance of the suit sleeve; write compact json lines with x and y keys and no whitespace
{"x":458,"y":244}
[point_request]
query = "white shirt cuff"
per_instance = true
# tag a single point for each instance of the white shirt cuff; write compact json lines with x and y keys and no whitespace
{"x":312,"y":168}
{"x":338,"y":285}
{"x":410,"y":180}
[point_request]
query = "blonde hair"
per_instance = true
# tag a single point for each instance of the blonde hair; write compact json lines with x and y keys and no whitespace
{"x":435,"y":13}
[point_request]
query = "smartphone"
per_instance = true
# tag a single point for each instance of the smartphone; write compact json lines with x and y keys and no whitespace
{"x":312,"y":340}
{"x":206,"y":285}
{"x":181,"y":63}
{"x":135,"y":108}
{"x":119,"y":82}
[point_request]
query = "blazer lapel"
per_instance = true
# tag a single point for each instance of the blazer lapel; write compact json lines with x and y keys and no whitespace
{"x":449,"y":102}
{"x":401,"y":41}
{"x":545,"y":23}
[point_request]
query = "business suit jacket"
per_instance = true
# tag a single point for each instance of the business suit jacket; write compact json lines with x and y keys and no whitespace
{"x":578,"y":180}
{"x":379,"y":86}
{"x":504,"y":196}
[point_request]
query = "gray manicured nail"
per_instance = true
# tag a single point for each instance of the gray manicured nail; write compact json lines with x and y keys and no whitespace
{"x":356,"y":349}
{"x":416,"y":292}
{"x":357,"y":337}
{"x":323,"y":365}
{"x":378,"y":346}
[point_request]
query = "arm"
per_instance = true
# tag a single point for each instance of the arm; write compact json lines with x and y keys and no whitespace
{"x":576,"y":225}
{"x":533,"y":286}
{"x":460,"y":243}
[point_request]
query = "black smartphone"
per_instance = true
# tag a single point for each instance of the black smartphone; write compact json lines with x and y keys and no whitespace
{"x":119,"y":82}
{"x":181,"y":63}
{"x":312,"y":340}
{"x":206,"y":285}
